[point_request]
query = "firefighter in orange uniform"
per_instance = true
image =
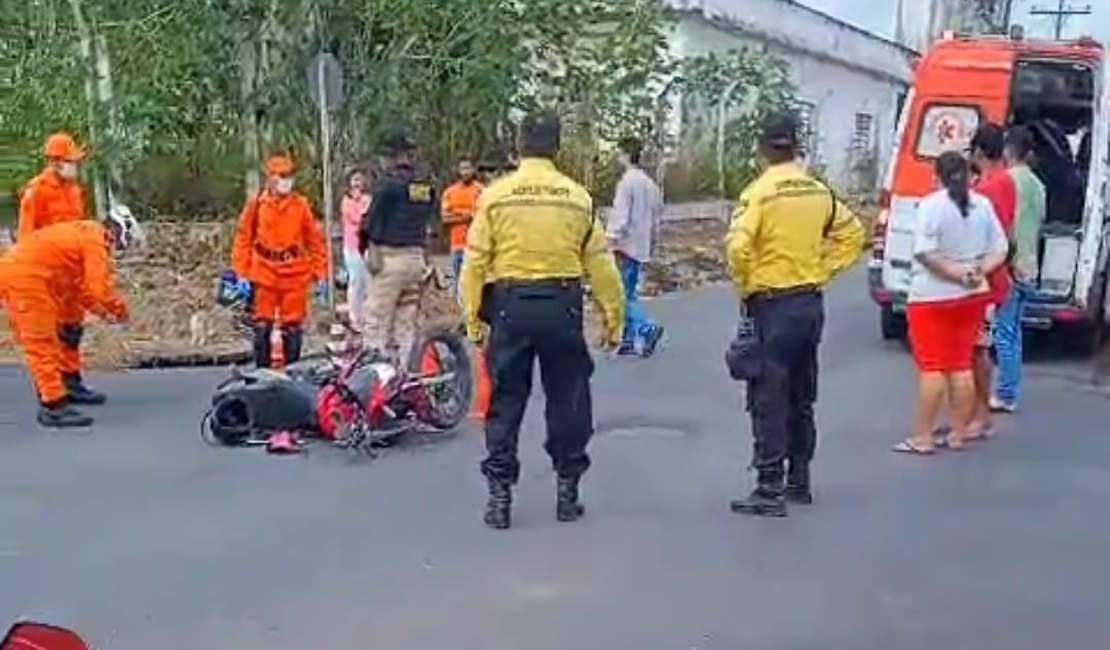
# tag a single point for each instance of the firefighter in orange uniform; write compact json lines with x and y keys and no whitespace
{"x":55,"y":196}
{"x":280,"y":249}
{"x":46,"y":270}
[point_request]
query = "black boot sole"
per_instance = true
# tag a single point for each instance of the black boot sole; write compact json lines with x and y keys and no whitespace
{"x":69,"y":424}
{"x":800,"y":498}
{"x":758,"y":510}
{"x":497,"y":522}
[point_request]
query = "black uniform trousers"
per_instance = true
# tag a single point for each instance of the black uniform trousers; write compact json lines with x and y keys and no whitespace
{"x":538,"y":320}
{"x":781,"y":398}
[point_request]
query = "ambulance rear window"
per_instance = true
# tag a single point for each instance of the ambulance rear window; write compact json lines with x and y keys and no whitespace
{"x":946,"y":128}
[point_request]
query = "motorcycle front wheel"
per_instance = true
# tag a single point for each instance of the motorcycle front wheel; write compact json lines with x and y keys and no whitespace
{"x":441,"y":360}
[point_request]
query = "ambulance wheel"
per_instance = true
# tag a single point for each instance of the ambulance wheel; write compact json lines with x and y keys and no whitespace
{"x":442,"y":356}
{"x":892,"y":325}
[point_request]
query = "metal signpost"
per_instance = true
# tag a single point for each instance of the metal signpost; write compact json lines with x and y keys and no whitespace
{"x":325,"y":86}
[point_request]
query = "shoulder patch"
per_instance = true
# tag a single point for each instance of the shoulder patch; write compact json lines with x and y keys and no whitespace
{"x":420,"y":192}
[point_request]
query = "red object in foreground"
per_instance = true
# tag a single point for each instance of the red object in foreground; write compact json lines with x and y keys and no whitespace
{"x":40,"y":636}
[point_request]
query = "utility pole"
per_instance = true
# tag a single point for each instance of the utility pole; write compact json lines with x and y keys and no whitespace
{"x":1061,"y":13}
{"x":1007,"y":15}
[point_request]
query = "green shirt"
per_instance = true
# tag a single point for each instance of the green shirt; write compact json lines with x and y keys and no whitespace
{"x":1028,"y":219}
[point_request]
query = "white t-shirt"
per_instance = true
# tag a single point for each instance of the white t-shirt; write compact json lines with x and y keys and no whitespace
{"x":942,"y":229}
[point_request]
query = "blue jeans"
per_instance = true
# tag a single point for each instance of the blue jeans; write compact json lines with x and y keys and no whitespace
{"x":636,"y":321}
{"x":456,"y":272}
{"x":358,"y":284}
{"x":1007,"y":342}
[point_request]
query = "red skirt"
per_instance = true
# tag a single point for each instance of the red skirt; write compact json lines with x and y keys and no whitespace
{"x":943,"y":334}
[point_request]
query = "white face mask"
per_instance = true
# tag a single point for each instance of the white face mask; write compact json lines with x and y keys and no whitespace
{"x":284,"y":186}
{"x":68,"y":170}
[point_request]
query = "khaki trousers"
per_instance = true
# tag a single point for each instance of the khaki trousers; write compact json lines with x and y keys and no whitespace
{"x":394,"y":299}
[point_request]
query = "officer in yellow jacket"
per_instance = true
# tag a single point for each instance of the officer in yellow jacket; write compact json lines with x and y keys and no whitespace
{"x":789,"y":237}
{"x":533,"y":241}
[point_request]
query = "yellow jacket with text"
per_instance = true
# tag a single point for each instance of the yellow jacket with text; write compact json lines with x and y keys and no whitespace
{"x":536,"y":224}
{"x":790,"y":230}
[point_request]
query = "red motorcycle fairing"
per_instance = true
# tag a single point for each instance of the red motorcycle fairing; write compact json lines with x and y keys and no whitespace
{"x":364,"y":393}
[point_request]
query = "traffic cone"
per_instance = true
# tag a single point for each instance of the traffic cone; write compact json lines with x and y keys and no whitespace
{"x":339,"y":337}
{"x":429,"y":362}
{"x":277,"y":349}
{"x":482,"y":388}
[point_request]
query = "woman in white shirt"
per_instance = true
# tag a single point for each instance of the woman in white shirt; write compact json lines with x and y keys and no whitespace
{"x":958,"y":241}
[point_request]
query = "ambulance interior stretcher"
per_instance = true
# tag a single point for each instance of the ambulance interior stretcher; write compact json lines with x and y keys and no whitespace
{"x":1055,"y":100}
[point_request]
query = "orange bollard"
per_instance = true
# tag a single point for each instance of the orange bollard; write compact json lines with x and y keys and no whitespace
{"x":429,"y":363}
{"x":277,"y":349}
{"x":482,"y":386}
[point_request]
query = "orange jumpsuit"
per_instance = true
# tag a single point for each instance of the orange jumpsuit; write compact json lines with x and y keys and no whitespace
{"x":45,"y":200}
{"x":460,"y":202}
{"x":68,"y":261}
{"x":280,"y":248}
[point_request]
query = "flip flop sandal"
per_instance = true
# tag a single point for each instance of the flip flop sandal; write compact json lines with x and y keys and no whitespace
{"x":912,"y":448}
{"x":963,"y":446}
{"x":940,"y":436}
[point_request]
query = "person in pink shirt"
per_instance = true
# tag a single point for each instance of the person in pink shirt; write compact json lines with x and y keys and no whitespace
{"x":355,"y":203}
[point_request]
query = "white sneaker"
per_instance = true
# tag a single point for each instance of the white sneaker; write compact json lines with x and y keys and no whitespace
{"x":999,"y":406}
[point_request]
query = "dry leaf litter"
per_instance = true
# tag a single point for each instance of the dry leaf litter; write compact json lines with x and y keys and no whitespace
{"x":171,"y":283}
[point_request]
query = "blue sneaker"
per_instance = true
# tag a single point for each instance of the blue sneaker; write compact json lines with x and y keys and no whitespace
{"x":627,"y":349}
{"x":651,"y":341}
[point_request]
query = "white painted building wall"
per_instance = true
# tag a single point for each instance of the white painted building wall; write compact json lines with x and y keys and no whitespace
{"x":848,"y":76}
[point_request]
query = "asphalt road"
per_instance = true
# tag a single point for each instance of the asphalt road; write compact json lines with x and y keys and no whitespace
{"x":142,"y":537}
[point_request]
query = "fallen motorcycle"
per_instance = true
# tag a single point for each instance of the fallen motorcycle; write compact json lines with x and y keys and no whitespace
{"x":357,"y":401}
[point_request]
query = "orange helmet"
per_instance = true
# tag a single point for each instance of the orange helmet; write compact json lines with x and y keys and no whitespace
{"x":279,"y":166}
{"x":61,"y":146}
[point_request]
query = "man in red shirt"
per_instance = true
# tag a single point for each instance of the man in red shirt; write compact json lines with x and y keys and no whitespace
{"x":997,"y":185}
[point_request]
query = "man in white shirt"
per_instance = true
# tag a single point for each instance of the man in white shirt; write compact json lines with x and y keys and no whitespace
{"x":637,"y":209}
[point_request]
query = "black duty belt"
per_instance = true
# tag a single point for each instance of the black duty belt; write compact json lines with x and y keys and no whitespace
{"x":785,"y":292}
{"x":279,"y":256}
{"x":510,"y":284}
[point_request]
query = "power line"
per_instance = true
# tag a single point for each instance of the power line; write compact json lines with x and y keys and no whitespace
{"x":1061,"y":13}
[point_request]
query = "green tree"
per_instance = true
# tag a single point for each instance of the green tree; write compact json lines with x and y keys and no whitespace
{"x":202,"y":90}
{"x":751,"y":84}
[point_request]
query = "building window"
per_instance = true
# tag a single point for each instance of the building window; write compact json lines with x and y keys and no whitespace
{"x":861,"y":137}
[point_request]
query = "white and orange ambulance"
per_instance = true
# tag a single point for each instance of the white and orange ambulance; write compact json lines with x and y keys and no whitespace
{"x":1060,"y":91}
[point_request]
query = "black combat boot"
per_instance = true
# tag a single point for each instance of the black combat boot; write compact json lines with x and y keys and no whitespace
{"x":60,"y":415}
{"x":79,"y":393}
{"x":292,"y":340}
{"x":567,"y":507}
{"x":263,"y":352}
{"x":766,"y":500}
{"x":498,"y":507}
{"x":797,"y":485}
